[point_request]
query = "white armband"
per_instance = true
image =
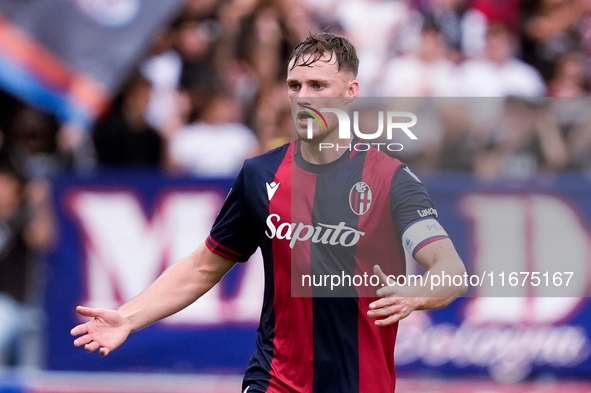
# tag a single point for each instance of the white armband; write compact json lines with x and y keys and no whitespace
{"x":420,"y":233}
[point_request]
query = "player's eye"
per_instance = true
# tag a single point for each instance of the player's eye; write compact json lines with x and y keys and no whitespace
{"x":317,"y":86}
{"x":294,"y":86}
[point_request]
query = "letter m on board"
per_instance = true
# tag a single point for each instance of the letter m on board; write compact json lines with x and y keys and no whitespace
{"x":126,"y":249}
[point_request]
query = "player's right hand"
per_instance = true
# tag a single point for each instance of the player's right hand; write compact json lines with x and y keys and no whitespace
{"x":105,"y":331}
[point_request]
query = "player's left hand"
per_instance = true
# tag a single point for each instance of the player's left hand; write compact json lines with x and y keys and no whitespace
{"x":396,"y":302}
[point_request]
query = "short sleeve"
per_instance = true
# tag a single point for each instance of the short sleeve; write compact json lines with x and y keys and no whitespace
{"x":233,"y":235}
{"x":413,"y":211}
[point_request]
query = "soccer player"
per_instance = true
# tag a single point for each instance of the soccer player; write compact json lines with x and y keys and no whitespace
{"x":312,"y":212}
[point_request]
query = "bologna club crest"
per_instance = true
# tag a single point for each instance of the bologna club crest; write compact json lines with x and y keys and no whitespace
{"x":360,"y":198}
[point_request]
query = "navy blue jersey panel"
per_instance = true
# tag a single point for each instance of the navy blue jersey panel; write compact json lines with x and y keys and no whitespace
{"x":237,"y":228}
{"x":335,"y":330}
{"x":259,"y":171}
{"x":232,"y":234}
{"x":336,"y":345}
{"x":331,"y":208}
{"x":409,"y":200}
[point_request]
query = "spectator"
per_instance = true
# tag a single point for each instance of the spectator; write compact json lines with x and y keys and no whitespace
{"x":201,"y":9}
{"x":273,"y":118}
{"x":528,"y":141}
{"x":216,"y":145}
{"x":25,"y":228}
{"x":241,"y":81}
{"x":124,"y":138}
{"x":266,"y":46}
{"x":371,"y":24}
{"x":551,"y":29}
{"x":499,"y":73}
{"x":569,"y":77}
{"x":323,"y":15}
{"x":195,"y":44}
{"x":580,"y":145}
{"x":462,"y":25}
{"x":574,"y":119}
{"x":32,"y":147}
{"x":461,"y":143}
{"x":7,"y":110}
{"x":506,"y":12}
{"x":257,"y":37}
{"x":163,"y":69}
{"x":426,"y":73}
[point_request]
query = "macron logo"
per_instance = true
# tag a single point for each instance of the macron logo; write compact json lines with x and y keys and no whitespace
{"x":271,"y":189}
{"x":407,"y":169}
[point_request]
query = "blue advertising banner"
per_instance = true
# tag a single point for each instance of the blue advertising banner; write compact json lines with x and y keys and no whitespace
{"x":119,"y":231}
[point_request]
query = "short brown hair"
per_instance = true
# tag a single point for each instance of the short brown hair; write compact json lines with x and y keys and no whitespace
{"x":319,"y":44}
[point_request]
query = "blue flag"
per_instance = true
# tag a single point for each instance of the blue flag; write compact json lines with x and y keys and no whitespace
{"x":69,"y":56}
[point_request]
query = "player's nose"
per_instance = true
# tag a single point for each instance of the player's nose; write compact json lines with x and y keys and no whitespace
{"x":303,"y":97}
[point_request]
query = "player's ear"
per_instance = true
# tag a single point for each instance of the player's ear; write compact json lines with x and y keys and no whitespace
{"x":352,"y":90}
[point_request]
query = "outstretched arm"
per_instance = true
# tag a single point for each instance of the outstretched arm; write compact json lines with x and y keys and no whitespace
{"x":398,"y":302}
{"x":179,"y":286}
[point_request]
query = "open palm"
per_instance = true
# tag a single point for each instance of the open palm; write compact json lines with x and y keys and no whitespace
{"x":106,"y":331}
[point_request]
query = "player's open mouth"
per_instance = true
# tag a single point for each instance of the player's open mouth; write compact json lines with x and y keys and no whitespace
{"x":304,"y":116}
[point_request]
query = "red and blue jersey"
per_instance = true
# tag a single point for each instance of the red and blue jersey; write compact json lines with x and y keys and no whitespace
{"x":313,"y":222}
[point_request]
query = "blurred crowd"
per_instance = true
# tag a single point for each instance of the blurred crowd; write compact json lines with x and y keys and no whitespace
{"x":211,"y":92}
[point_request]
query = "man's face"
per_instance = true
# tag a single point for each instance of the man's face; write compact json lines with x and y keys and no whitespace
{"x":320,"y":85}
{"x":499,"y":47}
